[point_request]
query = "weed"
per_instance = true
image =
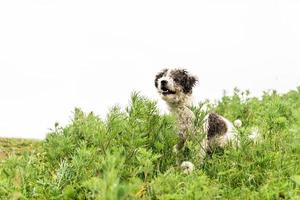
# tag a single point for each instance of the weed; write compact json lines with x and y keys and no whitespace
{"x":128,"y":155}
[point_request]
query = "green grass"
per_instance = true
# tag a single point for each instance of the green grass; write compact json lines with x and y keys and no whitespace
{"x":128,"y":155}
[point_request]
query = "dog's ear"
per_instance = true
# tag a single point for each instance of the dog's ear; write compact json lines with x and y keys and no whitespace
{"x":189,"y":83}
{"x":184,"y":79}
{"x":158,"y":76}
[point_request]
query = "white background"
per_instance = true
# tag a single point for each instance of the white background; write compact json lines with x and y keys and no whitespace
{"x":59,"y":54}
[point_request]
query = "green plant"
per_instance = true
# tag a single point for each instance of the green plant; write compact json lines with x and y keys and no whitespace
{"x":129,"y":155}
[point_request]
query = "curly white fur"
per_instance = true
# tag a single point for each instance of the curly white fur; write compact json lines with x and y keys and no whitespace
{"x":187,"y":167}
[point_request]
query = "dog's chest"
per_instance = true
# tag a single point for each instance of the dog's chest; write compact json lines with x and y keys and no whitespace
{"x":185,"y":118}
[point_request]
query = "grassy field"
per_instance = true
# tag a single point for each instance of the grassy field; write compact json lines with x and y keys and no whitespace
{"x":128,"y":155}
{"x":17,"y":147}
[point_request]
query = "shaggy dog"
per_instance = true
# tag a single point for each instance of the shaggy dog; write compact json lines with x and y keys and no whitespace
{"x":175,"y":88}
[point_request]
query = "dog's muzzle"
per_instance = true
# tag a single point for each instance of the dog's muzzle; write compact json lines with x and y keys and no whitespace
{"x":164,"y":88}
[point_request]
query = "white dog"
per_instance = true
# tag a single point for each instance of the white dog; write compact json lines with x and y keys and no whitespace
{"x":175,"y":87}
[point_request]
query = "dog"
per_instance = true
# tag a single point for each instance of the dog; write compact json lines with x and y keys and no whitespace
{"x":175,"y":86}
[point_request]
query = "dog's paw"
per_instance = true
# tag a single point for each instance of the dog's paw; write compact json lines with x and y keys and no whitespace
{"x":187,"y":167}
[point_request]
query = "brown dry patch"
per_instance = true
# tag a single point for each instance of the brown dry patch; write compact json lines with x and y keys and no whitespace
{"x":18,"y":147}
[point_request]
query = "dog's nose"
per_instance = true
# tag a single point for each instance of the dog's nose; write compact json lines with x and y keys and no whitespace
{"x":164,"y":82}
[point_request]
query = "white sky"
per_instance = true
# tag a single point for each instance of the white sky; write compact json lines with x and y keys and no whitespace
{"x":58,"y":54}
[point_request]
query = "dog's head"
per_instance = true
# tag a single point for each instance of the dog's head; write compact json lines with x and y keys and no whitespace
{"x":174,"y":84}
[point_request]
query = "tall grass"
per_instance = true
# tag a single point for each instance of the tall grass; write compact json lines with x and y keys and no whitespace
{"x":128,"y":155}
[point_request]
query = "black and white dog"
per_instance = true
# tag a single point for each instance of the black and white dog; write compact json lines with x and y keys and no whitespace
{"x":175,"y":87}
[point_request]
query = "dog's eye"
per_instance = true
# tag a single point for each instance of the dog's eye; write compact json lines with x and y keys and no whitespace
{"x":176,"y":79}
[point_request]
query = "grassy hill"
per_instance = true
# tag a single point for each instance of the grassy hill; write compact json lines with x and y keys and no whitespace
{"x":129,"y":155}
{"x":17,"y":147}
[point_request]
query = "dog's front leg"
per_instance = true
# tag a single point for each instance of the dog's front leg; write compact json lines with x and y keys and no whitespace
{"x":182,"y":136}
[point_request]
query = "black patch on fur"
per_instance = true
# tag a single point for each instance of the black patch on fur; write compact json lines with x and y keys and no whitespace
{"x":186,"y":81}
{"x":159,"y":75}
{"x":216,"y":126}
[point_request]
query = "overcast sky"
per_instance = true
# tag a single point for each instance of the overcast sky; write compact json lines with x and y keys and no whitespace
{"x":59,"y":54}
